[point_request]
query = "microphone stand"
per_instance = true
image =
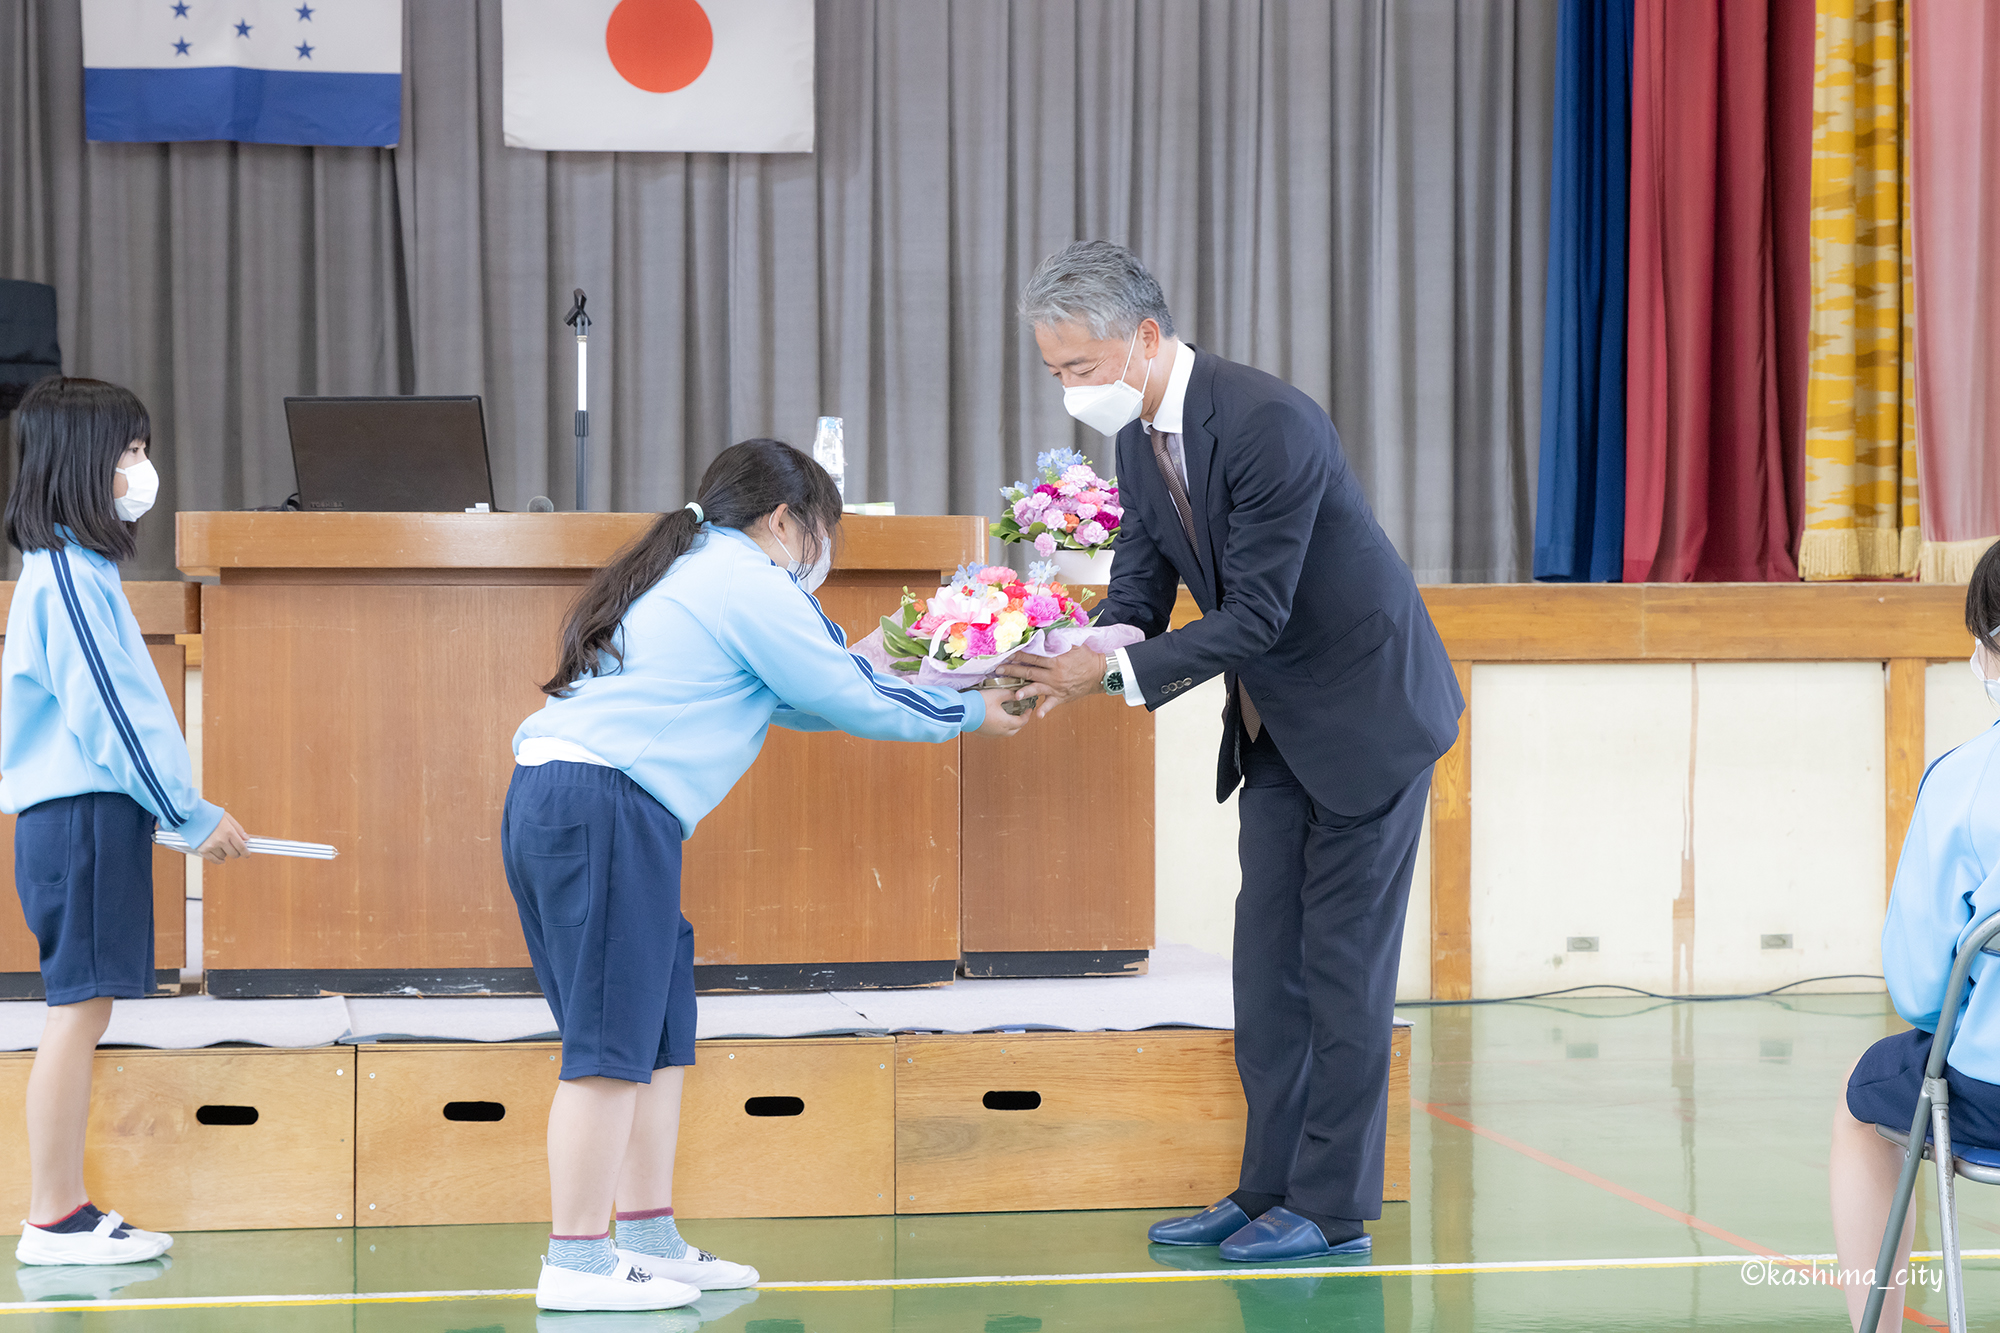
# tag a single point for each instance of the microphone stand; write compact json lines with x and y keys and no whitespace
{"x":580,"y":321}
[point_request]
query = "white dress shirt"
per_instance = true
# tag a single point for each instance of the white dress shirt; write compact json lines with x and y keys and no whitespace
{"x":1166,"y":420}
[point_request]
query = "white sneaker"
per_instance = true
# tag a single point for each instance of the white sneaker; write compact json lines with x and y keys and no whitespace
{"x":96,"y":1246}
{"x":630,"y":1286}
{"x":700,"y":1269}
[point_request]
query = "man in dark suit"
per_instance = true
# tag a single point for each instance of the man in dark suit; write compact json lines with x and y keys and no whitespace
{"x":1340,"y":698}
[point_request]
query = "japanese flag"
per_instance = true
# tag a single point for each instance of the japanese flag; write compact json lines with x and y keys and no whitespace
{"x":664,"y":76}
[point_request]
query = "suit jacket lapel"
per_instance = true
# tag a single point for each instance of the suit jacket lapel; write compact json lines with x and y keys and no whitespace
{"x":1198,"y":444}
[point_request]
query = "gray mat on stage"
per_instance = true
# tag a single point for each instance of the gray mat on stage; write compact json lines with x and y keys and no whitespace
{"x":1183,"y":987}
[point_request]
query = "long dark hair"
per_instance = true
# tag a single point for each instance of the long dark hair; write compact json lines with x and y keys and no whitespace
{"x":744,"y":483}
{"x":1982,"y":599}
{"x":72,"y":434}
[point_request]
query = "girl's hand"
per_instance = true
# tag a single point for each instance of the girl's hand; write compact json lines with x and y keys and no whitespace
{"x":1000,"y":722}
{"x":228,"y":842}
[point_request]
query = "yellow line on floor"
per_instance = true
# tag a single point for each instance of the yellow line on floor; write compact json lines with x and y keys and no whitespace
{"x":994,"y":1280}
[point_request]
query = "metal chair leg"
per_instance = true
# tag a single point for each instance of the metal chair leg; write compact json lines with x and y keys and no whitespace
{"x":1941,"y":1157}
{"x":1899,"y":1210}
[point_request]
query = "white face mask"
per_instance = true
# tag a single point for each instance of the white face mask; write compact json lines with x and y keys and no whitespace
{"x":1983,"y":661}
{"x":142,"y":487}
{"x":809,"y":579}
{"x":1109,"y":408}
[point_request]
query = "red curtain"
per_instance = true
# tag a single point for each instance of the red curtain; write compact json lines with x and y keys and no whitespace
{"x":1715,"y":383}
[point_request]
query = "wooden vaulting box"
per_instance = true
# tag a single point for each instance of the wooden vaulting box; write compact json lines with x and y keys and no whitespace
{"x":1025,"y":1121}
{"x":457,"y":1133}
{"x":204,"y":1140}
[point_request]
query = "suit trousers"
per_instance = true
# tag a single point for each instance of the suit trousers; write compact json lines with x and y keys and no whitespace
{"x":1319,"y":931}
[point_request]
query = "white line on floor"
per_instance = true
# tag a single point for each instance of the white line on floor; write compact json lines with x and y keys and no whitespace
{"x":994,"y":1280}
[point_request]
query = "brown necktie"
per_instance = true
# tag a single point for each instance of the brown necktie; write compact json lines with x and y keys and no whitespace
{"x":1177,"y":489}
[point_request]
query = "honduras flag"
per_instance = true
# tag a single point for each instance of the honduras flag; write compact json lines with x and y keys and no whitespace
{"x":314,"y":72}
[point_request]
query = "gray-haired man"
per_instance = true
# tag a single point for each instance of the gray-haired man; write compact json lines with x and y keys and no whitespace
{"x":1340,"y":698}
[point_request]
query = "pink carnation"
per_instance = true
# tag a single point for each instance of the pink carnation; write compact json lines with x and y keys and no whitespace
{"x":927,"y":624}
{"x":1086,"y":510}
{"x":1042,"y":609}
{"x":1046,"y":544}
{"x":1024,"y":512}
{"x":979,"y":641}
{"x":1090,"y":533}
{"x":993,"y":574}
{"x":1046,"y":489}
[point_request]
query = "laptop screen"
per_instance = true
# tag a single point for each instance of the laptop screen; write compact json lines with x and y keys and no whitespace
{"x":379,"y":455}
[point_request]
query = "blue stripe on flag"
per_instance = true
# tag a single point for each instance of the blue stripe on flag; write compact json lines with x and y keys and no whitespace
{"x":246,"y":105}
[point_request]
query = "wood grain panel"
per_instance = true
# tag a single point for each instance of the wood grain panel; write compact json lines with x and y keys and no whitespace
{"x":1058,"y":833}
{"x":162,"y":609}
{"x":155,"y":1162}
{"x":1691,"y":622}
{"x":215,"y":543}
{"x":1451,"y":859}
{"x":1903,"y":744}
{"x":18,"y":951}
{"x":1127,"y":1120}
{"x":832,"y":849}
{"x":377,"y":719}
{"x":835,"y":1158}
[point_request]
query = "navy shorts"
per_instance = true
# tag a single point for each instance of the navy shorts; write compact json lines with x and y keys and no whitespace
{"x":83,"y":866}
{"x":1884,"y":1088}
{"x":595,"y":865}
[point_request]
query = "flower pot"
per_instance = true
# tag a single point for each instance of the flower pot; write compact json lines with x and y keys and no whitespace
{"x":1083,"y":568}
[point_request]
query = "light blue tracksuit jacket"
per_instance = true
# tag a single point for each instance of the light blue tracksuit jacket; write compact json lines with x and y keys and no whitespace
{"x":1947,"y":878}
{"x":81,"y":705}
{"x":721,"y":647}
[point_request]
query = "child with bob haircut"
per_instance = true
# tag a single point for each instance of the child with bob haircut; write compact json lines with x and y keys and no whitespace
{"x":92,"y":761}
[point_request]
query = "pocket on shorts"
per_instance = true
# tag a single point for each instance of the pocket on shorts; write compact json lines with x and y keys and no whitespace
{"x":553,"y":862}
{"x":42,"y":847}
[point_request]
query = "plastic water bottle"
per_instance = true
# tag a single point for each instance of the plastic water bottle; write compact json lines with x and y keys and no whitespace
{"x":830,"y":452}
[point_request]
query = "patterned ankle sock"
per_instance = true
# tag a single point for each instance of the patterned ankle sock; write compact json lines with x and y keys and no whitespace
{"x":84,"y":1217}
{"x":1255,"y":1205}
{"x":583,"y":1254}
{"x":652,"y":1232}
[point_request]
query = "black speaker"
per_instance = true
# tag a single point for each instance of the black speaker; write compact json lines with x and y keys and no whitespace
{"x":28,"y":350}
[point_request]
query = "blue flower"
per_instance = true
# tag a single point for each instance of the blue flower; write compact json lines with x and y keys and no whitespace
{"x":1057,"y":461}
{"x":967,"y":574}
{"x":1042,"y":571}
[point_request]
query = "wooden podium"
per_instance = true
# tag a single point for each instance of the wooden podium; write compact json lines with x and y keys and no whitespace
{"x":163,"y":610}
{"x":363,"y":676}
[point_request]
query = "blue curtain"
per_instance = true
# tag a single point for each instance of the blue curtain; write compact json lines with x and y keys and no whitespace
{"x":1580,"y":509}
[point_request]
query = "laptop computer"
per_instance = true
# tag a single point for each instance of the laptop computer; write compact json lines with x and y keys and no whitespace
{"x":376,"y":455}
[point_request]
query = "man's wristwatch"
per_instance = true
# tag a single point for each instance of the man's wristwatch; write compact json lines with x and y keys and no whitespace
{"x":1114,"y":679}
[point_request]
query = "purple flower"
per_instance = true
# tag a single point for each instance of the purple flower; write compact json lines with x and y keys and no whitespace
{"x":1089,"y":533}
{"x":979,"y":641}
{"x":1041,"y":609}
{"x":1046,"y":544}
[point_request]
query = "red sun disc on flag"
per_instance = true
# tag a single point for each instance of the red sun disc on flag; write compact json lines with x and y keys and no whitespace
{"x":659,"y":46}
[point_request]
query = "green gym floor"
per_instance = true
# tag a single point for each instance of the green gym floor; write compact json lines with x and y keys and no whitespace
{"x":1587,"y":1165}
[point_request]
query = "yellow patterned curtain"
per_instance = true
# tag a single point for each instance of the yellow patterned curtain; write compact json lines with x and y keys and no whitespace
{"x":1861,"y":516}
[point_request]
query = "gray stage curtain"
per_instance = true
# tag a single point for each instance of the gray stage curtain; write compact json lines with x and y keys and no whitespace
{"x":1352,"y":195}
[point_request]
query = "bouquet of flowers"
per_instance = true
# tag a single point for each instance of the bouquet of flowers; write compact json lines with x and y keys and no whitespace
{"x":1070,"y":508}
{"x":960,"y":636}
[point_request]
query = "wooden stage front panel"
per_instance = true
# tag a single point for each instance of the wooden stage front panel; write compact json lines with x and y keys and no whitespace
{"x":163,"y":611}
{"x":372,"y":706}
{"x":205,"y":1140}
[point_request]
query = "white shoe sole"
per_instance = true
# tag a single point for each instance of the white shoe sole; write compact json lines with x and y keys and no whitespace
{"x":679,"y":1270}
{"x":89,"y":1249}
{"x":610,"y":1291}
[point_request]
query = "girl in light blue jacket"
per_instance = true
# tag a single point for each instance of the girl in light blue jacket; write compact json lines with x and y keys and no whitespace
{"x":92,"y":761}
{"x":675,"y":661}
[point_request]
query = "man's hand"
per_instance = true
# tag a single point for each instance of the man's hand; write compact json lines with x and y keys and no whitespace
{"x":225,"y":844}
{"x":1057,"y":680}
{"x":1000,"y":722}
